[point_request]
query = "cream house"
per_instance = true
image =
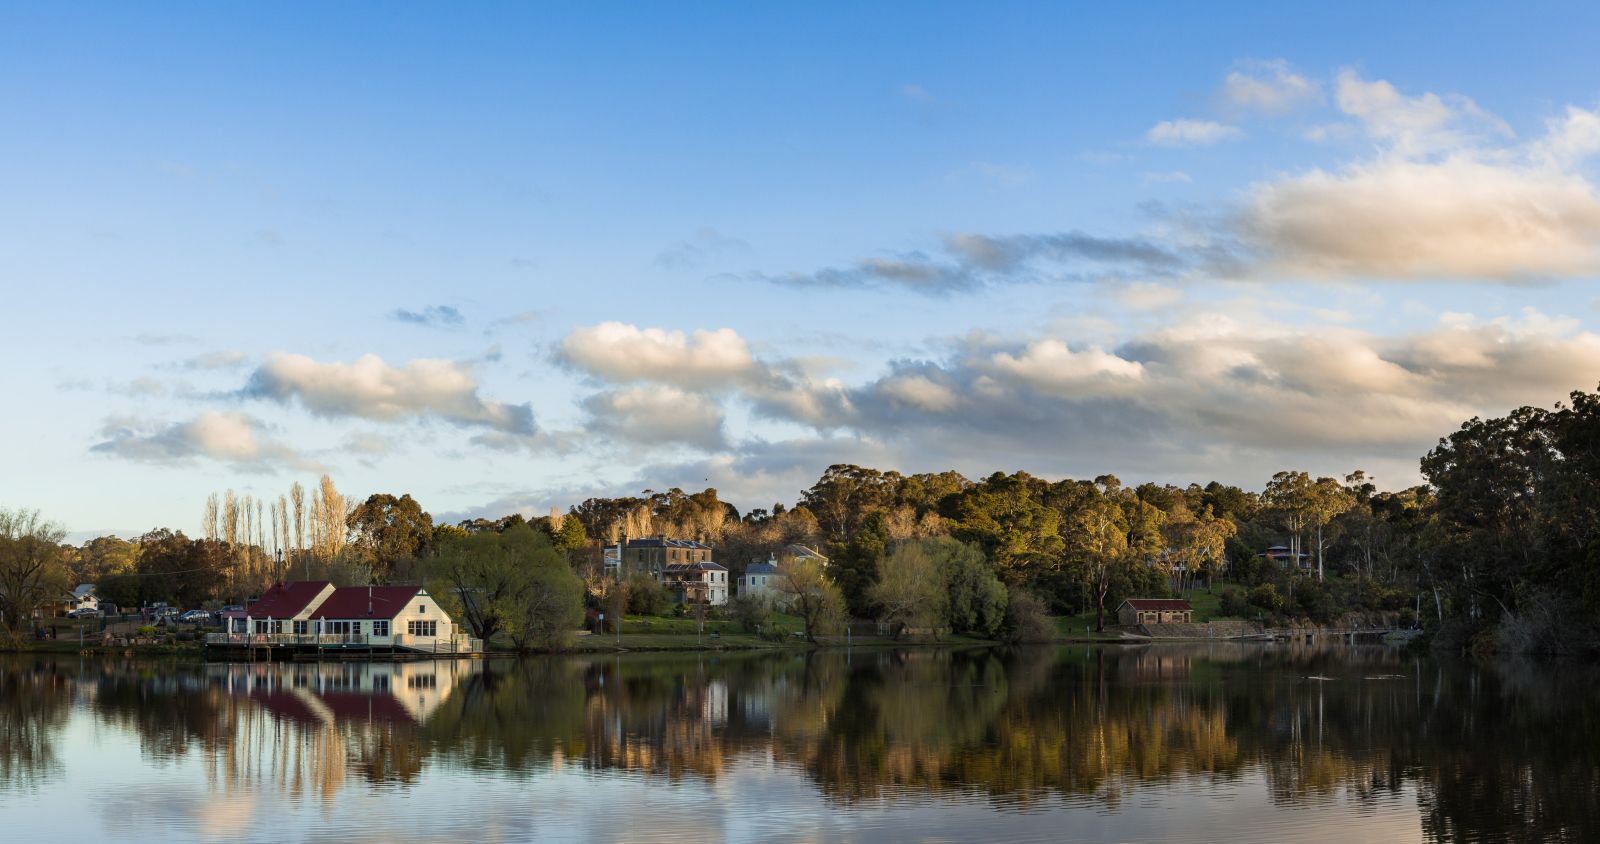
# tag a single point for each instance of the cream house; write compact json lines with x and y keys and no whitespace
{"x":383,"y":616}
{"x":317,"y":614}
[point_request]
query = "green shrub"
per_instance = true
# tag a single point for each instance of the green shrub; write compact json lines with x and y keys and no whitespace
{"x":1266,"y":597}
{"x":646,"y":596}
{"x":1234,"y":603}
{"x":1026,"y":619}
{"x":752,"y":612}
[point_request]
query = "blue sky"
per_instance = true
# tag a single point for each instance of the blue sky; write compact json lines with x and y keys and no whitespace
{"x":505,"y":257}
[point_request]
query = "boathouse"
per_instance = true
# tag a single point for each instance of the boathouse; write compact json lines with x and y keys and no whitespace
{"x":314,"y":618}
{"x":1137,"y":611}
{"x":383,"y":616}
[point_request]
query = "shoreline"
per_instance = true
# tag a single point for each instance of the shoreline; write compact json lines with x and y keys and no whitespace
{"x":641,"y":643}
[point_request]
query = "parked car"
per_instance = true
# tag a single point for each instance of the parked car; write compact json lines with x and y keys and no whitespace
{"x":195,"y":617}
{"x":84,"y":612}
{"x":159,"y":613}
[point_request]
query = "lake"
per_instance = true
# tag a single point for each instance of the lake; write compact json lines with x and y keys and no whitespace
{"x":1181,"y":743}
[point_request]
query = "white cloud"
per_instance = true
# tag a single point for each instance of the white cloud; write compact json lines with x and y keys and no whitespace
{"x":1187,"y":132}
{"x":1463,"y":217}
{"x":619,"y":352}
{"x":657,"y":415}
{"x":1448,"y":195}
{"x":228,"y":437}
{"x":1268,"y":86}
{"x":1052,"y":366}
{"x":1148,"y":296}
{"x":368,"y":388}
{"x":1415,"y":125}
{"x":919,"y":391}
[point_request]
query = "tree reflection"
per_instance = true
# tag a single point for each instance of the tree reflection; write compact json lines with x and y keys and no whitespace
{"x":1509,"y":752}
{"x":35,"y":699}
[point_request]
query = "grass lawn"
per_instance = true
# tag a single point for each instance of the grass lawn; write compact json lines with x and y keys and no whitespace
{"x":668,"y":624}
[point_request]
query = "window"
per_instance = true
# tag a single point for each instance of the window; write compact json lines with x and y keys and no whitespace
{"x":422,"y":609}
{"x":423,"y":681}
{"x":380,"y":627}
{"x":299,"y":628}
{"x":422,"y":628}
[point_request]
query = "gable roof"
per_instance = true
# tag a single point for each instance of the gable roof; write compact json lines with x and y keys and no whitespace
{"x":679,"y":568}
{"x":1157,"y":604}
{"x":658,"y":542}
{"x":352,"y":602}
{"x":286,"y":600}
{"x":761,"y":568}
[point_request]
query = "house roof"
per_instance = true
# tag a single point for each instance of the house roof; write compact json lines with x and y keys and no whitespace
{"x":700,"y":566}
{"x":658,"y":542}
{"x":1158,"y":604}
{"x":83,"y":589}
{"x":352,"y":602}
{"x":286,"y":600}
{"x":761,"y":568}
{"x":802,"y":551}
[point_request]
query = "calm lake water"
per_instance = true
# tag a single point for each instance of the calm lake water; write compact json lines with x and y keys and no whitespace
{"x":1176,"y":743}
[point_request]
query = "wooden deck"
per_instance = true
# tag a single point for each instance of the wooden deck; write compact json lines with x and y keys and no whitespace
{"x":280,"y":647}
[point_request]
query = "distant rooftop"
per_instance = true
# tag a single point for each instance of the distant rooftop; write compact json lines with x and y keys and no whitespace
{"x":682,"y":567}
{"x":660,"y":542}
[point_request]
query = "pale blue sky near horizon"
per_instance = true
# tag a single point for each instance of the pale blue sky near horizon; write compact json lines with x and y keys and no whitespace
{"x":1173,"y":242}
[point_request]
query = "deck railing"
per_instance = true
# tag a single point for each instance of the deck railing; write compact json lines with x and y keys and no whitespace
{"x":458,"y":643}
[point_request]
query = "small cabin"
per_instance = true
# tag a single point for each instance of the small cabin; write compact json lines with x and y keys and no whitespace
{"x":1136,"y":611}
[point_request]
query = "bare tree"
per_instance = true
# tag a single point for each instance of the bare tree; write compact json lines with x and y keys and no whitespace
{"x":297,"y":495}
{"x":230,"y":518}
{"x":282,"y":519}
{"x":211,"y":523}
{"x":329,"y":530}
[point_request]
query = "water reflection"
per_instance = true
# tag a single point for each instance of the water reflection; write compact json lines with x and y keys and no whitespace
{"x":1449,"y":752}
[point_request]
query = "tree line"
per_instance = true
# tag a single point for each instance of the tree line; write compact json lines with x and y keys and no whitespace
{"x":1498,"y":549}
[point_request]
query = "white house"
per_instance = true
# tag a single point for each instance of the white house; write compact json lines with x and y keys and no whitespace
{"x":759,"y":580}
{"x":383,"y":616}
{"x":84,"y":598}
{"x":317,"y":613}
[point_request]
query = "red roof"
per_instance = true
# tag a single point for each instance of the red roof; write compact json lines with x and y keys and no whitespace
{"x":1158,"y":604}
{"x":352,"y":602}
{"x":377,"y":706}
{"x":286,"y":600}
